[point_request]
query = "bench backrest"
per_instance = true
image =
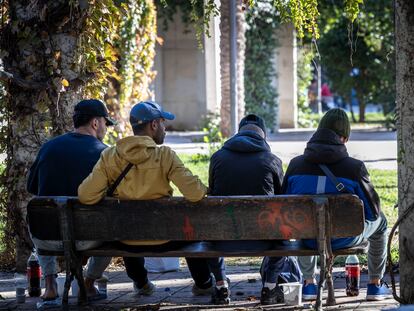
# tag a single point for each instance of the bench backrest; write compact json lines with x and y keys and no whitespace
{"x":213,"y":218}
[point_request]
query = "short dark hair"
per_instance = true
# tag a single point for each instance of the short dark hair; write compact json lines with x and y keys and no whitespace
{"x":139,"y":128}
{"x":81,"y":120}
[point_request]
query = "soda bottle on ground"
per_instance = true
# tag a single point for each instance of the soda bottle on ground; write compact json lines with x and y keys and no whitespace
{"x":34,"y":275}
{"x":352,"y":275}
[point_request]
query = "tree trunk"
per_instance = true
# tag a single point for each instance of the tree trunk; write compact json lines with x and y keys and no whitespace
{"x":361,"y":106}
{"x":404,"y":47}
{"x":41,"y":41}
{"x":225,"y":113}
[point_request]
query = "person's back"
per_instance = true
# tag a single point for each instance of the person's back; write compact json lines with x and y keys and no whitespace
{"x":245,"y":166}
{"x":149,"y":177}
{"x":63,"y":163}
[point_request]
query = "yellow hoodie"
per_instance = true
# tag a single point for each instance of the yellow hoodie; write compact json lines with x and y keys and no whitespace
{"x":149,"y":178}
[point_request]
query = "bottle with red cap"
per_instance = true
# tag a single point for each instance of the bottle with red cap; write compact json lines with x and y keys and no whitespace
{"x":34,"y":273}
{"x":352,"y":275}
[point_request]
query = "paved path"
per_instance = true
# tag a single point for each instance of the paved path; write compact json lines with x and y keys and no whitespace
{"x":174,"y":293}
{"x":378,"y":148}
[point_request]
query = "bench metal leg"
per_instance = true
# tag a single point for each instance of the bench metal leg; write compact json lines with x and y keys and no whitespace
{"x":331,"y":291}
{"x":321,"y":283}
{"x":322,"y":220}
{"x":68,"y":281}
{"x":81,"y":283}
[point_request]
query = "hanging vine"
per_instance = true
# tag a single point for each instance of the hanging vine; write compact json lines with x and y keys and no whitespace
{"x":135,"y":52}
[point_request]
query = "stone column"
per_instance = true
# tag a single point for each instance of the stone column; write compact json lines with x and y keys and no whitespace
{"x":286,"y":60}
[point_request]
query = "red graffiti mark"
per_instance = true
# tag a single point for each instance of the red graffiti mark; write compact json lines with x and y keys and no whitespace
{"x":284,"y":220}
{"x":267,"y":219}
{"x":297,"y":219}
{"x":188,"y":229}
{"x":286,"y":231}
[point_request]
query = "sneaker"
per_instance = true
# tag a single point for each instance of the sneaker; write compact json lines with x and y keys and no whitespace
{"x":198,"y":291}
{"x":309,"y":291}
{"x":271,"y":296}
{"x":221,"y":296}
{"x":147,"y":290}
{"x":375,"y":292}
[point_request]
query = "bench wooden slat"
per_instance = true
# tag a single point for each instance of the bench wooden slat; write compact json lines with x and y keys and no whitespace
{"x":213,"y":249}
{"x":213,"y":218}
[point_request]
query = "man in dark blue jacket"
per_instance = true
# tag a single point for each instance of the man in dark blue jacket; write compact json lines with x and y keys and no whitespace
{"x":304,"y":176}
{"x":245,"y":165}
{"x":60,"y":166}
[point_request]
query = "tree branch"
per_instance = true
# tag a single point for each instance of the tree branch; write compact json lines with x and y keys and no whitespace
{"x":30,"y":85}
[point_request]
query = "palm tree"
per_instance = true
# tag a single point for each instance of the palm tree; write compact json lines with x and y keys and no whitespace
{"x":225,"y":112}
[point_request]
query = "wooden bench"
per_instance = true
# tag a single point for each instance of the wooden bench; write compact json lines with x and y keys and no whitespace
{"x":215,"y":226}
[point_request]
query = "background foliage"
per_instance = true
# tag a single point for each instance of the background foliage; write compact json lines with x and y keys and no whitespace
{"x":367,"y":65}
{"x":259,"y":75}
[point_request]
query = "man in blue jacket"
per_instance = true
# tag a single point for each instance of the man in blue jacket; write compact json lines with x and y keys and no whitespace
{"x":304,"y":176}
{"x":60,"y":166}
{"x":245,"y":165}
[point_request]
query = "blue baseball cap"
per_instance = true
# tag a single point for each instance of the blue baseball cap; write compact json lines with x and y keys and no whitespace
{"x":147,"y":111}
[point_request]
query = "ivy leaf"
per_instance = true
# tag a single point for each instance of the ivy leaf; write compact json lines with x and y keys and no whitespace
{"x":65,"y":82}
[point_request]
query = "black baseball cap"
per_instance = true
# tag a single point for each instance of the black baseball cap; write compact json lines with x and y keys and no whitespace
{"x":93,"y":108}
{"x":255,"y":120}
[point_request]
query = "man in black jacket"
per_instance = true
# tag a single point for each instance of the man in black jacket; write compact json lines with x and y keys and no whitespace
{"x":305,"y":176}
{"x":246,"y":166}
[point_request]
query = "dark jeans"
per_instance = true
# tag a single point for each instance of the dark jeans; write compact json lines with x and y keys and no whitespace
{"x":214,"y":265}
{"x":280,"y":270}
{"x":199,"y":270}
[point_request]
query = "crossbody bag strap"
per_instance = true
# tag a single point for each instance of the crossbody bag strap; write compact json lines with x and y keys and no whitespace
{"x":111,"y":188}
{"x":338,"y":185}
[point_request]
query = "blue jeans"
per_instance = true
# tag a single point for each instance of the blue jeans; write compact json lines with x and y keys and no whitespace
{"x":376,"y":234}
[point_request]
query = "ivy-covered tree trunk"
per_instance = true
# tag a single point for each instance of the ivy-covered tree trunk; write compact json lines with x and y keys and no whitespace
{"x":225,"y":108}
{"x":43,"y":82}
{"x":404,"y":47}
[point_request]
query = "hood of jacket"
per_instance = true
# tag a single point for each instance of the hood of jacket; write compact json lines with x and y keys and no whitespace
{"x":135,"y":149}
{"x":248,"y":142}
{"x":325,"y":147}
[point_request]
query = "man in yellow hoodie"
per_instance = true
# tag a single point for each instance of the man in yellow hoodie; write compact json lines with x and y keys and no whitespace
{"x":153,"y":167}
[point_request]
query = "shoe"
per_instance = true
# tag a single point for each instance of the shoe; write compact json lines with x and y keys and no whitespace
{"x":198,"y":291}
{"x":147,"y":290}
{"x":375,"y":292}
{"x":309,"y":291}
{"x":221,"y":296}
{"x":271,"y":296}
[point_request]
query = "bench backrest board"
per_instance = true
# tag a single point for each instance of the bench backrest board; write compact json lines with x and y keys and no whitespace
{"x":213,"y":218}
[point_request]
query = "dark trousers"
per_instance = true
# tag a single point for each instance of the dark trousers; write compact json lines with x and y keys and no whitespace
{"x":213,"y":265}
{"x":199,"y":270}
{"x":280,"y":270}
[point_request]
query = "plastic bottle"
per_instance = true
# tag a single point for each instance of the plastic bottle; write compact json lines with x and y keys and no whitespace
{"x":352,"y":275}
{"x":20,"y":284}
{"x":34,"y":275}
